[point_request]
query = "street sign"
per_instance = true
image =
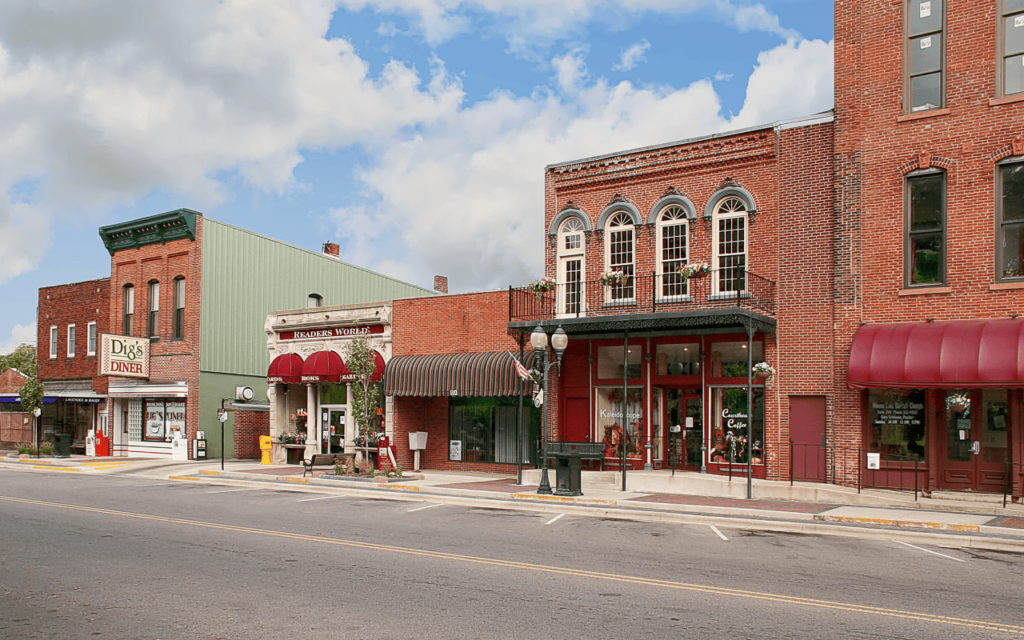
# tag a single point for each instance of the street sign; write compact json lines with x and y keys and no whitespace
{"x":222,"y":415}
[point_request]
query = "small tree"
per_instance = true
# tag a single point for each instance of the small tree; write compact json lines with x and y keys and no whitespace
{"x":365,"y":397}
{"x":23,"y":359}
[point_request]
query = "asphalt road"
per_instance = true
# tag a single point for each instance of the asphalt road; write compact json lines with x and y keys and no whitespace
{"x":129,"y":557}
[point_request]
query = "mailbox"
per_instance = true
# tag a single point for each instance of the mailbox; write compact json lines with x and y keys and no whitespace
{"x":874,"y":460}
{"x":266,"y":444}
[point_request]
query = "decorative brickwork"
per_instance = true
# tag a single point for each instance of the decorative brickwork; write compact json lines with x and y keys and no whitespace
{"x":78,"y":304}
{"x":249,"y":426}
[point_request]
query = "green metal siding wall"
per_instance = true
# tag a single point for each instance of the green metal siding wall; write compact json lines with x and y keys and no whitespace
{"x":247,"y":276}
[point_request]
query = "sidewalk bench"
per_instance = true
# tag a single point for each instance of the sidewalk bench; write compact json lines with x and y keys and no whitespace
{"x":324,"y":459}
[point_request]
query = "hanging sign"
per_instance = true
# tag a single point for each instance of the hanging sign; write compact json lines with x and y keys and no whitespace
{"x":333,"y":332}
{"x":123,"y":356}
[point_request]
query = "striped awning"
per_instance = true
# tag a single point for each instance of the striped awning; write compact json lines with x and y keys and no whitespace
{"x":456,"y":374}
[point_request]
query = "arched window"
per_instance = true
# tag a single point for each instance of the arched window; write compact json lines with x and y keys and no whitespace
{"x":314,"y":300}
{"x":619,"y":255}
{"x":153,"y":318}
{"x":571,"y":266}
{"x":178,"y":331}
{"x":730,"y":245}
{"x":128,"y":309}
{"x":673,"y":249}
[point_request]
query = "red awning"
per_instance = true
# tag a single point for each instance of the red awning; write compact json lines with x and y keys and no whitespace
{"x":286,"y":369}
{"x":969,"y":353}
{"x":324,"y":366}
{"x":378,"y":371}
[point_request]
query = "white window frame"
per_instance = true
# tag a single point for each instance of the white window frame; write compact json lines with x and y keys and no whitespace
{"x":718,"y":218}
{"x":178,"y":323}
{"x":153,"y":311}
{"x":53,"y":342}
{"x":91,"y":339}
{"x":668,"y":274}
{"x":314,"y":301}
{"x":71,"y":341}
{"x":611,"y":229}
{"x":572,"y":229}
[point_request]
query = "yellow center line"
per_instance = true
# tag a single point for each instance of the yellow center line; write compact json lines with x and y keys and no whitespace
{"x":581,"y":573}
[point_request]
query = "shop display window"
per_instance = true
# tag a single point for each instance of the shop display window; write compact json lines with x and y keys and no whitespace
{"x":610,"y":363}
{"x":897,"y":420}
{"x":677,"y":359}
{"x":164,"y":419}
{"x":333,"y":394}
{"x":732,"y":431}
{"x":610,"y":422}
{"x":657,"y":436}
{"x":729,"y":359}
{"x":484,"y":430}
{"x":995,"y":420}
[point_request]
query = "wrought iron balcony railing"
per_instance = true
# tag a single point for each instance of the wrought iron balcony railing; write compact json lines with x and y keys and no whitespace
{"x":654,"y":293}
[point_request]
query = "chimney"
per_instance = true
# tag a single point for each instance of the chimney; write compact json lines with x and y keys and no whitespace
{"x":441,"y":284}
{"x":332,"y":249}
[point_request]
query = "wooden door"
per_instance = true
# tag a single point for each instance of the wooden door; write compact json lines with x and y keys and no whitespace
{"x":807,"y":431}
{"x":577,"y":420}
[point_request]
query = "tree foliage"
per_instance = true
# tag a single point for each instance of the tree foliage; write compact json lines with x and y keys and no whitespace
{"x":23,"y":359}
{"x":365,"y":393}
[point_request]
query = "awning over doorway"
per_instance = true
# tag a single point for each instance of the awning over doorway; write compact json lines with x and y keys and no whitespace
{"x":968,"y":353}
{"x":286,"y":369}
{"x":324,"y":366}
{"x":455,"y":374}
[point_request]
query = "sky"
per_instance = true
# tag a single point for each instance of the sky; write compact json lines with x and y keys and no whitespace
{"x":414,"y":133}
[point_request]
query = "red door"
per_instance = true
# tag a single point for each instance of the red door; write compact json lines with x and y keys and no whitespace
{"x":807,"y":431}
{"x":577,"y":420}
{"x":976,"y":443}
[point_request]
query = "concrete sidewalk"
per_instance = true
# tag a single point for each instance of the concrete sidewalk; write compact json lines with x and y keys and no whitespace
{"x":689,"y":498}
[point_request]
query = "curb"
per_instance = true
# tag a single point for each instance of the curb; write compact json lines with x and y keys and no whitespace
{"x":909,"y":524}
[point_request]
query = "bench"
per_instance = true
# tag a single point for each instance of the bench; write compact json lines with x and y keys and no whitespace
{"x":324,"y":459}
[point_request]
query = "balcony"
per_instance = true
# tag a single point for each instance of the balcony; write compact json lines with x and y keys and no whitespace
{"x":716,"y":291}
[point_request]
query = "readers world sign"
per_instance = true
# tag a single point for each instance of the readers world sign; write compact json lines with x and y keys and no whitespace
{"x":124,"y":356}
{"x":333,"y":332}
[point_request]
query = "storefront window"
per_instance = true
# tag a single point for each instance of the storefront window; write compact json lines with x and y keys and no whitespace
{"x":484,"y":430}
{"x":333,"y":394}
{"x":897,"y":423}
{"x":175,"y":414}
{"x":155,"y":423}
{"x":995,"y":418}
{"x":610,"y":421}
{"x":609,"y":363}
{"x":656,"y":433}
{"x":729,"y":359}
{"x":732,"y":430}
{"x":677,"y":359}
{"x":958,"y":426}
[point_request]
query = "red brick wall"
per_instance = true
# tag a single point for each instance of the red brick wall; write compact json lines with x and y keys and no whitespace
{"x":169,"y":359}
{"x":249,"y":426}
{"x":78,"y":304}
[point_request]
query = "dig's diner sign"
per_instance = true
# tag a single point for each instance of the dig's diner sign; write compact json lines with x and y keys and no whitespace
{"x":124,"y":356}
{"x":333,"y":332}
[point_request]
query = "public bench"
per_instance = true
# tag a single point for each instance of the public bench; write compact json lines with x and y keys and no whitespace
{"x":324,"y":459}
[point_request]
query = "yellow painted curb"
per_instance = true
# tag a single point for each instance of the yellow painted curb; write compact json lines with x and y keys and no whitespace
{"x":182,"y":478}
{"x":207,"y":472}
{"x":569,"y":499}
{"x":31,"y":461}
{"x":73,"y":469}
{"x":398,"y":487}
{"x":104,"y":464}
{"x":967,"y":528}
{"x":306,"y":480}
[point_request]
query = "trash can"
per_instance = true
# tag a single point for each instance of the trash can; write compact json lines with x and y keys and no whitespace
{"x":62,"y":445}
{"x":568,"y":481}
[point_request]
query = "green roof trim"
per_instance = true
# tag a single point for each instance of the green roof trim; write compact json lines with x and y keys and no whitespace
{"x":158,"y":229}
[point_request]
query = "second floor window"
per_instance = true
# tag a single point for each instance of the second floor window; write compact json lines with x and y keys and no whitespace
{"x":129,"y":310}
{"x":926,"y":229}
{"x":71,"y":341}
{"x":53,"y":342}
{"x":570,"y":266}
{"x":672,"y":250}
{"x":1010,"y":218}
{"x":1011,"y":34}
{"x":153,"y":318}
{"x":91,"y":346}
{"x":730,"y":245}
{"x":620,"y":254}
{"x":178,"y":331}
{"x":925,"y":58}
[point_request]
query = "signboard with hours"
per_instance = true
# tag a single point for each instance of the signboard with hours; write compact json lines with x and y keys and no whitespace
{"x":124,"y":356}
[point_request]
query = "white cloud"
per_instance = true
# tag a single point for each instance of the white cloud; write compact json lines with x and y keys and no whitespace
{"x":20,"y":334}
{"x":570,"y":70}
{"x":100,"y":113}
{"x":387,"y":29}
{"x":793,"y":79}
{"x":632,"y":56}
{"x":723,"y":76}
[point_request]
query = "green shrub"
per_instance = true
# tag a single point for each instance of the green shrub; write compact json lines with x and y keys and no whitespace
{"x":46,"y":448}
{"x":28,"y":448}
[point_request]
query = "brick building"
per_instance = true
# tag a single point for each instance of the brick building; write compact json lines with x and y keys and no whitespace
{"x":149,"y":355}
{"x":16,"y":424}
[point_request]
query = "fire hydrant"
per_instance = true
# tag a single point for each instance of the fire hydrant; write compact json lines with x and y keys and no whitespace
{"x":265,"y":449}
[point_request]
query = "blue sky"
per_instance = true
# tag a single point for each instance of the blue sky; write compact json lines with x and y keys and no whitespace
{"x":412,"y":132}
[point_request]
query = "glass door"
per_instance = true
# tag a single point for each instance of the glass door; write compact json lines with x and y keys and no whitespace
{"x":976,"y":440}
{"x":684,"y":420}
{"x":332,"y":421}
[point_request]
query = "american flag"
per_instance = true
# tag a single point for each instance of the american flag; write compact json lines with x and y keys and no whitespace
{"x":520,"y":369}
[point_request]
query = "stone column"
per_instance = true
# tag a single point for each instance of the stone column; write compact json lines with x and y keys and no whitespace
{"x":312,"y":436}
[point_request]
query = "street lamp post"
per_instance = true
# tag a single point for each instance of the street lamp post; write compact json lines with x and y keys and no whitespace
{"x":36,"y":412}
{"x":539,"y":341}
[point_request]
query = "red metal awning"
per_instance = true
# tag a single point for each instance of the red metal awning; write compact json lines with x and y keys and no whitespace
{"x":286,"y":369}
{"x":968,"y":353}
{"x":378,"y":370}
{"x":324,"y":366}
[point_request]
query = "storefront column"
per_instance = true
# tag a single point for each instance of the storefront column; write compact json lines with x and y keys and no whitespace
{"x":350,"y":421}
{"x":648,"y":466}
{"x":934,"y":431}
{"x":312,"y":437}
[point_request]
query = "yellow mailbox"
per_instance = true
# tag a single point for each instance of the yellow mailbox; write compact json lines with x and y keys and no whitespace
{"x":265,"y":449}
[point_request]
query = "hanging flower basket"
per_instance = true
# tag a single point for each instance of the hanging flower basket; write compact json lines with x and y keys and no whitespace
{"x":540,"y":287}
{"x":688,"y":271}
{"x":763,"y":371}
{"x":958,"y":402}
{"x":613,"y":278}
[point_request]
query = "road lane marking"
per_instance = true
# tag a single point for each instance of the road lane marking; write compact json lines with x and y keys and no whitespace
{"x":720,"y":534}
{"x":551,"y":569}
{"x":232,"y":490}
{"x":929,"y":551}
{"x":161,"y":484}
{"x":429,"y":506}
{"x":556,"y":518}
{"x":320,"y":498}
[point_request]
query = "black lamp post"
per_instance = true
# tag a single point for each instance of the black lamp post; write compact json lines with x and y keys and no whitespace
{"x":559,"y":341}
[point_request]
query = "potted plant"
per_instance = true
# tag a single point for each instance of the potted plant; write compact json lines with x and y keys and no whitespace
{"x":540,"y":287}
{"x":958,"y":402}
{"x":763,"y":371}
{"x":688,"y":271}
{"x":613,"y":278}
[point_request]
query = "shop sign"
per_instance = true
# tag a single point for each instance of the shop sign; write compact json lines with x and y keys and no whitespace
{"x":83,"y":400}
{"x":124,"y":356}
{"x":333,"y":332}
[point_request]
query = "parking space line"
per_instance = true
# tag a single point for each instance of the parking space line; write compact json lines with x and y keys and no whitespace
{"x":162,"y":484}
{"x":429,"y":506}
{"x":231,"y":490}
{"x":929,"y":551}
{"x":720,"y":534}
{"x":320,"y":498}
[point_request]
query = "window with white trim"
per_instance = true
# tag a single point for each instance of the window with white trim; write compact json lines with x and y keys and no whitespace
{"x":925,"y":60}
{"x":672,"y":250}
{"x":1011,"y":34}
{"x":153,"y":319}
{"x":129,"y":310}
{"x":71,"y":341}
{"x":619,"y":255}
{"x":53,"y":341}
{"x":314,"y":300}
{"x":571,"y":266}
{"x":730,"y":224}
{"x":91,"y":338}
{"x":178,"y":331}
